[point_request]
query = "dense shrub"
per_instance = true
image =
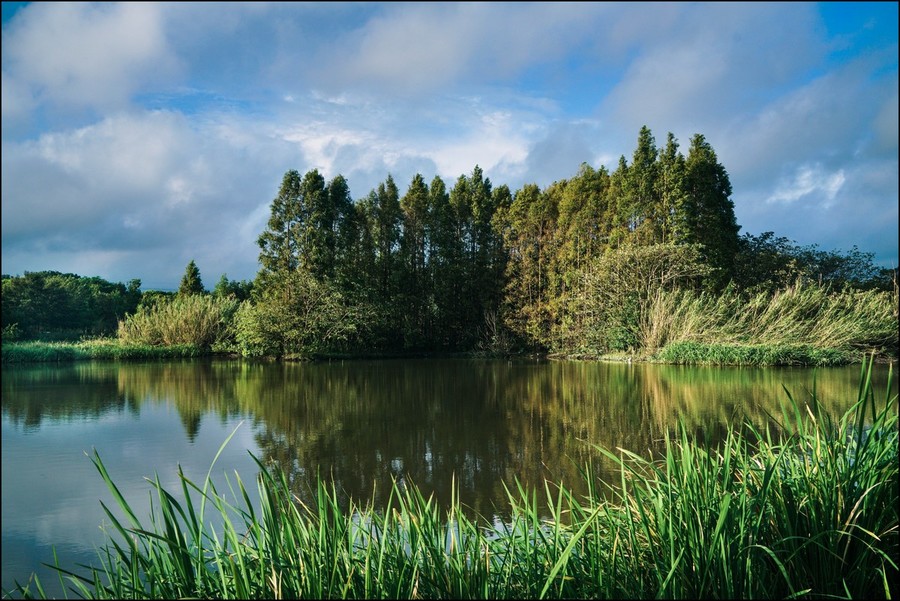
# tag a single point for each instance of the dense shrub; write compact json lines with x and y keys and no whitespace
{"x":198,"y":320}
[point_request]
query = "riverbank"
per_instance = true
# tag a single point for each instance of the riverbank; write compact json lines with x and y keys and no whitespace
{"x":680,"y":353}
{"x":808,"y":508}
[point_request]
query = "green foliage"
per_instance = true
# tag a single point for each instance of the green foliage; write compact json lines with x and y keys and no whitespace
{"x":190,"y":281}
{"x":240,"y":290}
{"x":11,"y":332}
{"x":198,"y":320}
{"x":695,"y":353}
{"x":589,"y":265}
{"x":620,"y":287}
{"x":707,"y":213}
{"x":50,"y":305}
{"x":295,"y":316}
{"x":767,"y":263}
{"x":806,"y":508}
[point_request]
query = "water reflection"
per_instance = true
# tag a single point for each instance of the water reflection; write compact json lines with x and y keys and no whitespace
{"x":481,"y":424}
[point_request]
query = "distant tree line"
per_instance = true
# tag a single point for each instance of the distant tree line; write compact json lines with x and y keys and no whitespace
{"x":472,"y":266}
{"x":53,"y":305}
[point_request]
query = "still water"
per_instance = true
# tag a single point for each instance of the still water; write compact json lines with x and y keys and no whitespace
{"x":478,"y":423}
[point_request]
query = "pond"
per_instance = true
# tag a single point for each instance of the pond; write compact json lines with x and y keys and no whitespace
{"x":481,"y":424}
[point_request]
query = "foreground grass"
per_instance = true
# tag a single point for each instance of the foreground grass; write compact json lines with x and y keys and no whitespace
{"x":807,"y":508}
{"x":33,"y":352}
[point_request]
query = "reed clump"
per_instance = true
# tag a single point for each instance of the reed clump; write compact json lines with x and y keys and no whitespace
{"x":195,"y":319}
{"x":806,"y":507}
{"x":797,"y":324}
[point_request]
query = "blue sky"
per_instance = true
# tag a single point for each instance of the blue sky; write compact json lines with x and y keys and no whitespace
{"x":137,"y":137}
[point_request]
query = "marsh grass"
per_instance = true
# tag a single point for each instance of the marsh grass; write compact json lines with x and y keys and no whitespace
{"x":799,"y":324}
{"x":805,"y":507}
{"x":695,"y":353}
{"x":198,"y":320}
{"x":100,"y":349}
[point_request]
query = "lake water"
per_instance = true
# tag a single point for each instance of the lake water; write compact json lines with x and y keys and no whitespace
{"x":478,"y":423}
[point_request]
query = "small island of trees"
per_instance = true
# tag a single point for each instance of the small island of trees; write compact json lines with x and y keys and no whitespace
{"x":645,"y":262}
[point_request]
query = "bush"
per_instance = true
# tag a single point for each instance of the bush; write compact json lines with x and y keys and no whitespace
{"x":196,"y":320}
{"x":294,"y":316}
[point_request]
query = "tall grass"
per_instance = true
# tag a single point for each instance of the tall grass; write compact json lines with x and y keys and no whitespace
{"x":198,"y":320}
{"x":800,"y":316}
{"x":806,"y":507}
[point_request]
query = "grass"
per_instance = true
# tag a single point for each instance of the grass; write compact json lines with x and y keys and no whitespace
{"x":106,"y":349}
{"x":799,"y":325}
{"x":806,"y":507}
{"x":695,"y":353}
{"x":199,"y":320}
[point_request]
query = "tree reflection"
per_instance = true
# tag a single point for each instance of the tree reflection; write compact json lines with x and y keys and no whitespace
{"x":480,"y":424}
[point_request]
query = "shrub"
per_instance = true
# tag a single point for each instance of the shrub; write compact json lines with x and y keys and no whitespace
{"x":197,"y":320}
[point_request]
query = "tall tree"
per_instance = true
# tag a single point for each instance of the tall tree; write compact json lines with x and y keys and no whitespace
{"x":707,"y":215}
{"x":190,"y":281}
{"x":382,"y":212}
{"x":639,"y":208}
{"x":671,"y":189}
{"x":530,"y":243}
{"x":445,"y":263}
{"x":415,"y":286}
{"x":300,"y":232}
{"x":280,"y":243}
{"x":317,"y":250}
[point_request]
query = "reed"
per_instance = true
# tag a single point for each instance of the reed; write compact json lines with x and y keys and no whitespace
{"x":805,"y":507}
{"x":197,"y":320}
{"x":800,"y":324}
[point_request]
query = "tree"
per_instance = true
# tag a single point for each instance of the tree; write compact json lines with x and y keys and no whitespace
{"x":621,"y":285}
{"x":190,"y":281}
{"x":671,"y":189}
{"x":640,"y":205}
{"x":241,"y":290}
{"x":55,"y":306}
{"x":280,"y":243}
{"x":531,"y":236}
{"x":415,"y":288}
{"x":296,"y":316}
{"x":707,"y":213}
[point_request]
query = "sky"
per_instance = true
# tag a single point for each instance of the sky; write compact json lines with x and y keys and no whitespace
{"x":137,"y":137}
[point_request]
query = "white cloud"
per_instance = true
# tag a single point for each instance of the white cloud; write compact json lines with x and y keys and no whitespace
{"x":87,"y":55}
{"x":427,"y":47}
{"x":147,"y":185}
{"x":810,"y":179}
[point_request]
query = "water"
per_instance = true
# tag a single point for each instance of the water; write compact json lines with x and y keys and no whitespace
{"x":478,"y":423}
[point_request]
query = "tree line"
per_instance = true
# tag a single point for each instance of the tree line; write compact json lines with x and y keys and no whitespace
{"x":475,"y":266}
